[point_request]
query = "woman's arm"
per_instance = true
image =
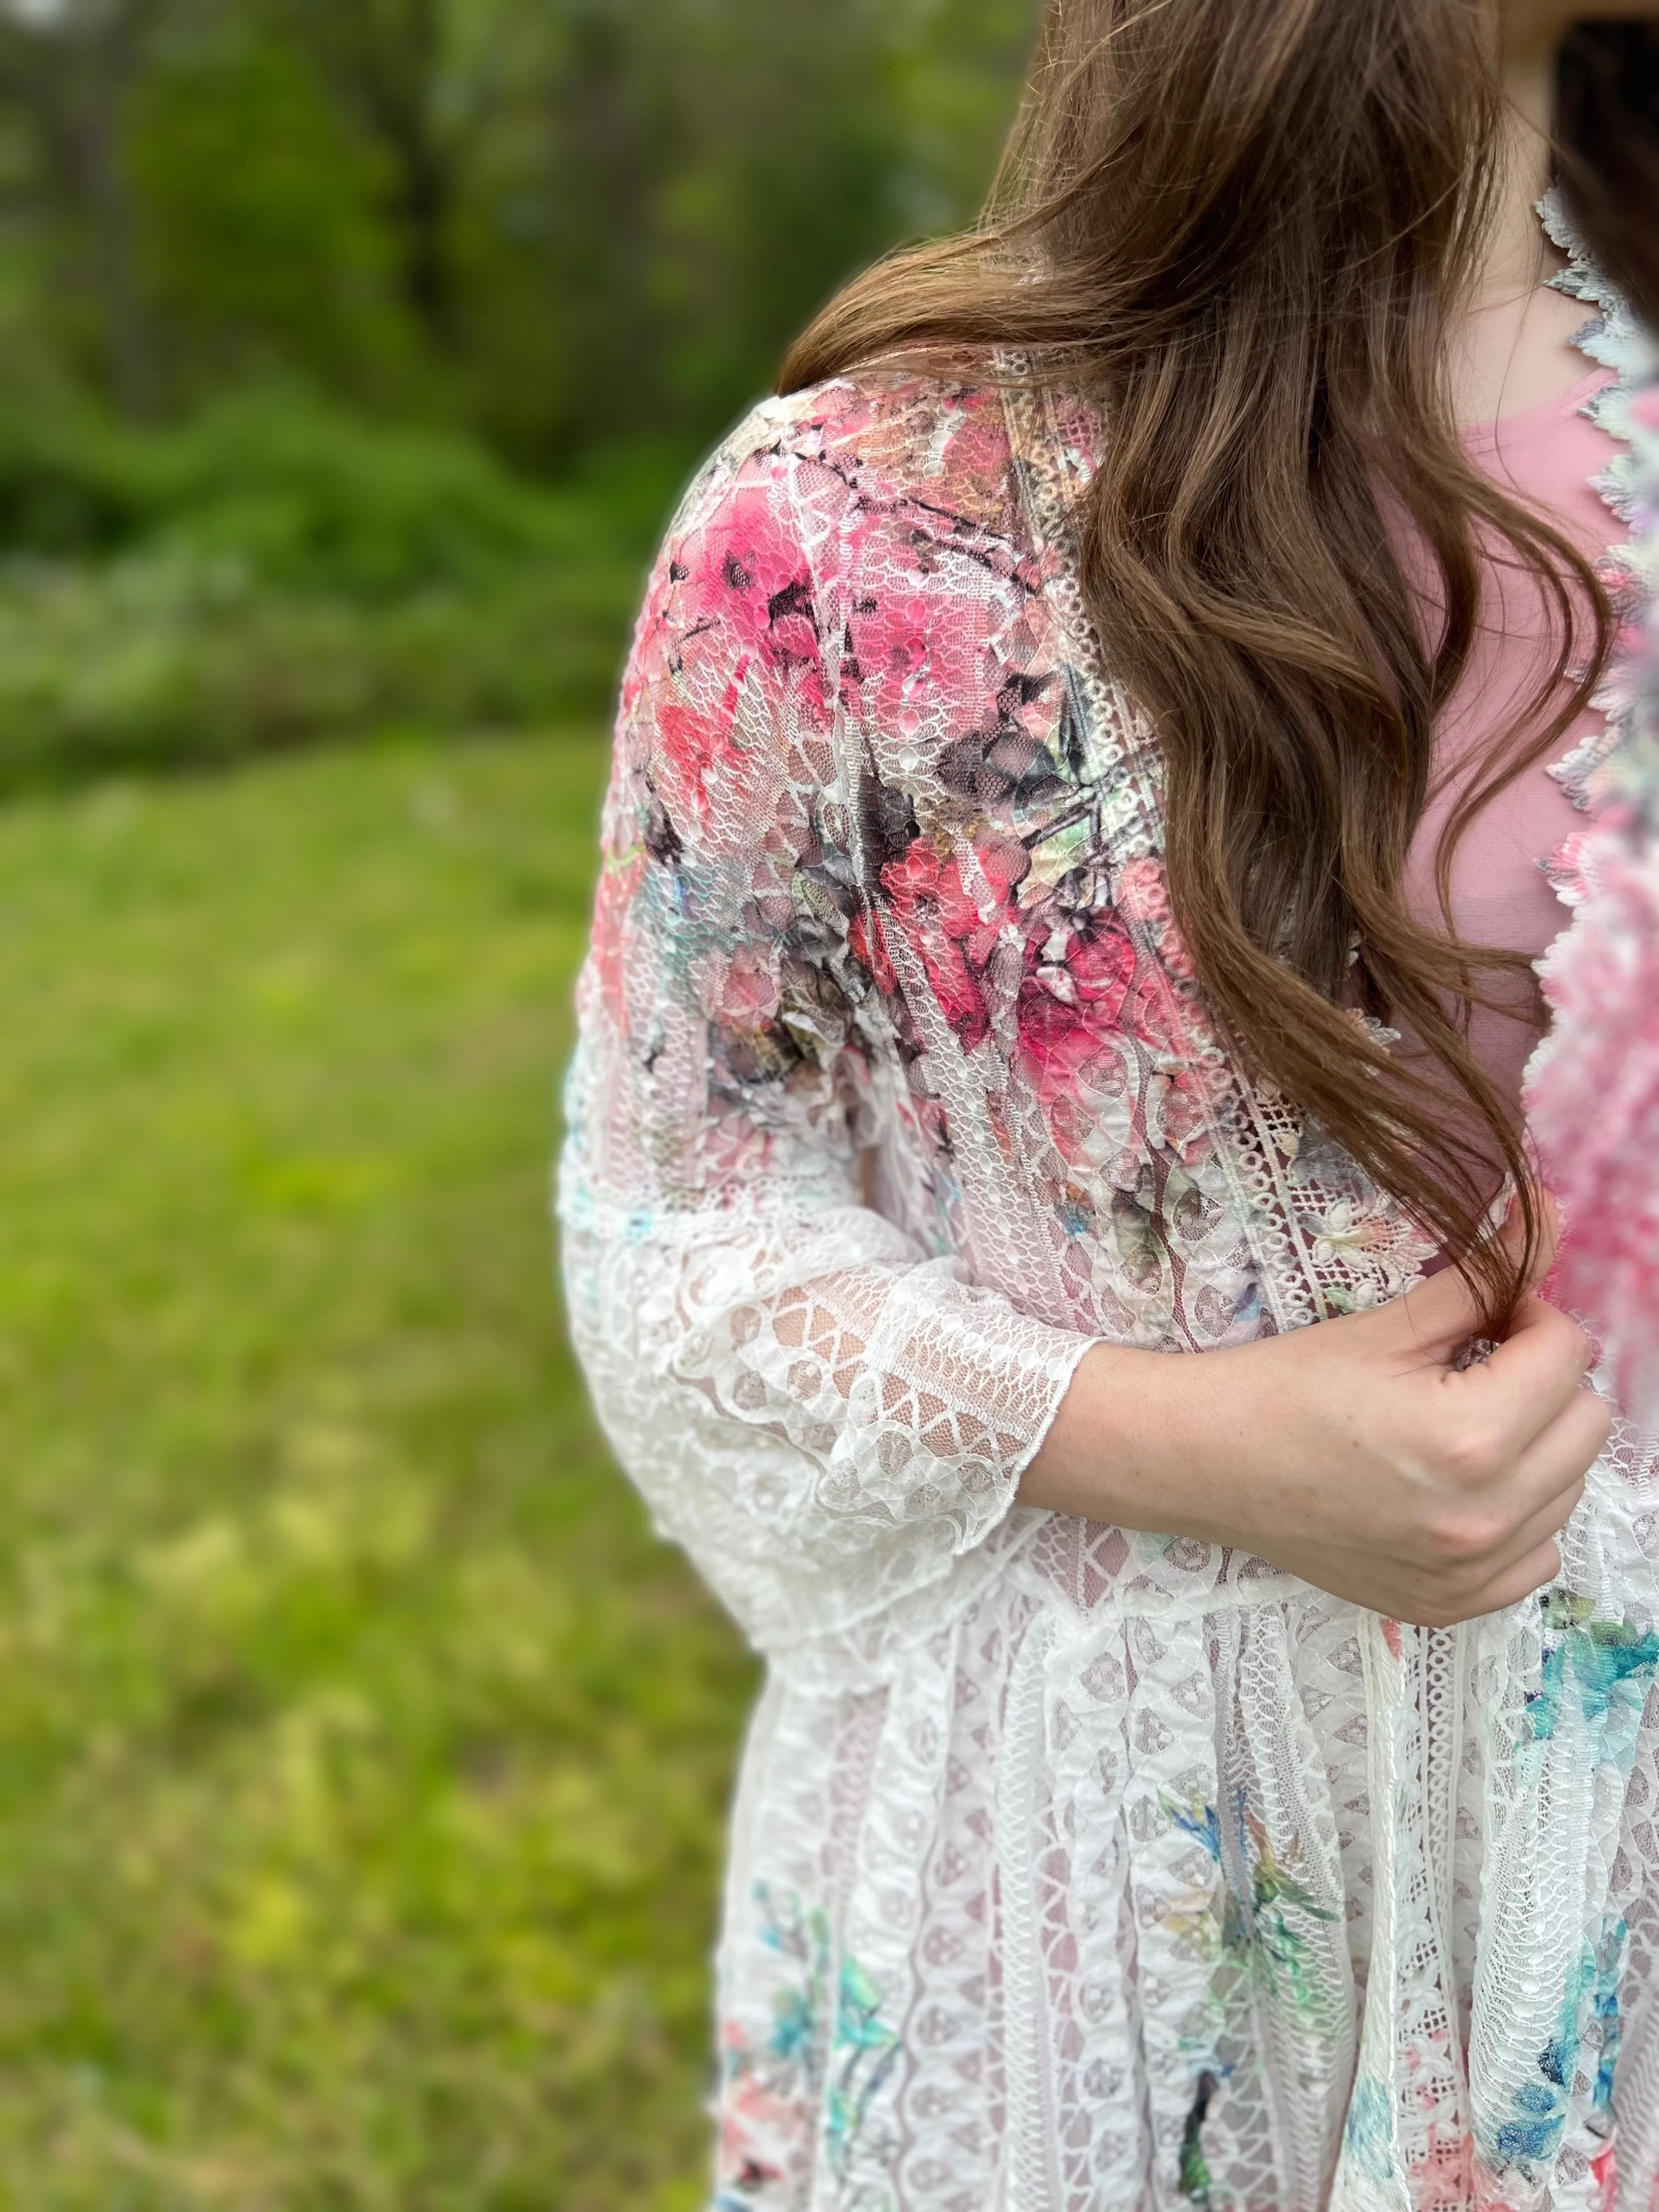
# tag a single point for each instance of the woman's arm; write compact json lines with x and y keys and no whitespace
{"x":1353,"y":1455}
{"x":825,"y":1413}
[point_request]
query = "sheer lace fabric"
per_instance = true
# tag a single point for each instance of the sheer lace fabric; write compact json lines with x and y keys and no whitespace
{"x":1073,"y":1870}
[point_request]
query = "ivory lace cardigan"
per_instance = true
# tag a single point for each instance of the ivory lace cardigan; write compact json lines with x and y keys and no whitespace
{"x":1073,"y":1870}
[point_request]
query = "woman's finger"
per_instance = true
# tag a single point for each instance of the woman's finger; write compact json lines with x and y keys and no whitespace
{"x":1533,"y":1378}
{"x":1537,"y":1571}
{"x":1544,"y":1523}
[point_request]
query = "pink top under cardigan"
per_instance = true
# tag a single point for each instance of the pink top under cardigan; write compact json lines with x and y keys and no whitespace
{"x":1501,"y":894}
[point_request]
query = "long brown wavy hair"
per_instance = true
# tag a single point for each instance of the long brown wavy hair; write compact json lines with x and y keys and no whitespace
{"x":1244,"y":233}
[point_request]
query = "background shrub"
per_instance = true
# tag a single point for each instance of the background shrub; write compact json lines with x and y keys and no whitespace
{"x":278,"y":571}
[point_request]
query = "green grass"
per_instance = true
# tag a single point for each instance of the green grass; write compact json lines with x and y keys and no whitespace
{"x":362,"y":1758}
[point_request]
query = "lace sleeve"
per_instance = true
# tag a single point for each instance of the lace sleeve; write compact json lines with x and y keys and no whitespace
{"x":822,"y":1412}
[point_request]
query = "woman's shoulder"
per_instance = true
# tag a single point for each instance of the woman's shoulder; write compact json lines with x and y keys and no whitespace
{"x":886,"y":441}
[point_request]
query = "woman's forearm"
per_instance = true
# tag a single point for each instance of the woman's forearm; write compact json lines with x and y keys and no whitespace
{"x":1119,"y":1449}
{"x":1359,"y":1455}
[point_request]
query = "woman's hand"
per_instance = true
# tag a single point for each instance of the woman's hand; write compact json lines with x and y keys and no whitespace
{"x":1352,"y":1453}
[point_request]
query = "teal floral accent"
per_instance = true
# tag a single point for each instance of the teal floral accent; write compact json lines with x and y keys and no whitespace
{"x":1251,"y":1927}
{"x":1263,"y":1909}
{"x":1603,"y":1666}
{"x":1604,"y":2010}
{"x":863,"y":2054}
{"x":803,"y":1935}
{"x":1369,"y":2136}
{"x":1595,"y":1997}
{"x":833,"y":2051}
{"x":1196,"y":1819}
{"x":1599,"y":1672}
{"x":1532,"y":2134}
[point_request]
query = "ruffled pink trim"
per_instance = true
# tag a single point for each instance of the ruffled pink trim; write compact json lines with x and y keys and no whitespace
{"x":1592,"y":1089}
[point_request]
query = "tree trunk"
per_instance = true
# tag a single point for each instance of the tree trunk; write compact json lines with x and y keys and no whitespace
{"x":387,"y":65}
{"x":108,"y":62}
{"x":71,"y":74}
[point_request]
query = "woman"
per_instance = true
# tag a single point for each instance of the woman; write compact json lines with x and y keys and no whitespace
{"x":1080,"y":746}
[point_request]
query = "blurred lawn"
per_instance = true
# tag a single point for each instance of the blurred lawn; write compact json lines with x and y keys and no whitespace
{"x":361,"y":1758}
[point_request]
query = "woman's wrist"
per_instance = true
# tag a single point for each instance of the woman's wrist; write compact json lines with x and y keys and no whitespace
{"x":1134,"y":1444}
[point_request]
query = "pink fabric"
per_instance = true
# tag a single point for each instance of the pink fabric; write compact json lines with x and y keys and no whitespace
{"x":1500,"y":895}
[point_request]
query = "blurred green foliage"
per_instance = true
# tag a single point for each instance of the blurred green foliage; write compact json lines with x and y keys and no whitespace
{"x":274,"y":571}
{"x":362,"y":1760}
{"x":351,"y":350}
{"x":300,"y":496}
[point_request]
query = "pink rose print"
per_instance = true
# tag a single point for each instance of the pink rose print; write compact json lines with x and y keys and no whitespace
{"x":740,"y":616}
{"x":910,"y":653}
{"x":755,"y":2121}
{"x":619,"y":886}
{"x":955,"y":923}
{"x":748,"y":997}
{"x":1077,"y":981}
{"x":748,"y":572}
{"x":869,"y":944}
